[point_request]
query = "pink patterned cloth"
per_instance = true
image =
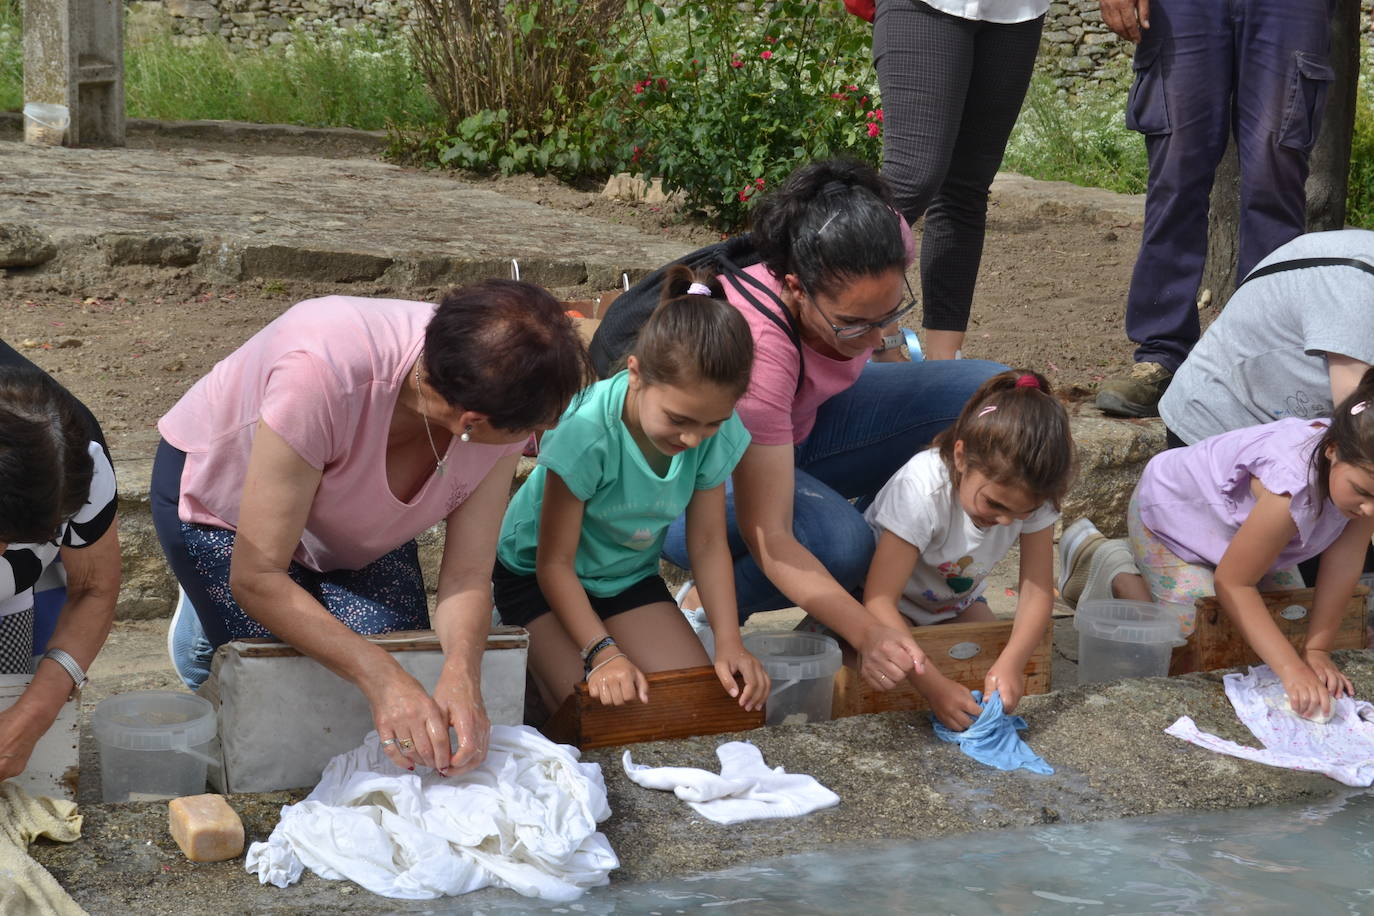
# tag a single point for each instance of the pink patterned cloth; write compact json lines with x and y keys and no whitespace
{"x":1342,"y":748}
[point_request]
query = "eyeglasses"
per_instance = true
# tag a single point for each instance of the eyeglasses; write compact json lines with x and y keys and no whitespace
{"x":855,"y":331}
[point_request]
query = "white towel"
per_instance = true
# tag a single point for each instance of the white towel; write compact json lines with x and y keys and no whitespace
{"x":745,"y":790}
{"x":1341,"y":747}
{"x":525,"y":819}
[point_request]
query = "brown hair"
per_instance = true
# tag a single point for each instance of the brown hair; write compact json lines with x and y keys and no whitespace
{"x":694,"y":336}
{"x":45,"y":469}
{"x":1016,"y":433}
{"x":506,"y":349}
{"x":1351,"y":432}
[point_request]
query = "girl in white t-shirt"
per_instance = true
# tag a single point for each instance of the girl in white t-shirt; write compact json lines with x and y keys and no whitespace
{"x":952,"y":512}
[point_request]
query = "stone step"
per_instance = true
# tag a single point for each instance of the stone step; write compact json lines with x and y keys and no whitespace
{"x":1111,"y":455}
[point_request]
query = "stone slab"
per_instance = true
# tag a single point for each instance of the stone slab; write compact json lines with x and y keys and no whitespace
{"x":242,"y":216}
{"x":896,"y":782}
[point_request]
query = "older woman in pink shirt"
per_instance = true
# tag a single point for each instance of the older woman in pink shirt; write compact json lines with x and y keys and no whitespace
{"x":292,"y":481}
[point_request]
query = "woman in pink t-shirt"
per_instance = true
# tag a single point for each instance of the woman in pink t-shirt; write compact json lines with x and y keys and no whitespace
{"x":828,"y":425}
{"x":292,"y":480}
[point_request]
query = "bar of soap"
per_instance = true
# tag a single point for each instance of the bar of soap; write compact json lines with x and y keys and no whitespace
{"x":205,"y":827}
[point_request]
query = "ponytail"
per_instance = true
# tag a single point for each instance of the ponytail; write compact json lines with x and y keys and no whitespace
{"x":695,"y":335}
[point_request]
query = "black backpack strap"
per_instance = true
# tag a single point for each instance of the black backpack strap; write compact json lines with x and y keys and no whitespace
{"x":782,"y":317}
{"x":1299,"y":263}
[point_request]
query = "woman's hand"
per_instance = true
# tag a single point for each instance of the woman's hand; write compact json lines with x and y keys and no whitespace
{"x":617,"y":682}
{"x":952,"y":703}
{"x":1336,"y":683}
{"x":460,"y":701}
{"x":19,"y":732}
{"x":412,"y":727}
{"x":1009,"y":683}
{"x":735,"y":659}
{"x":1307,"y":694}
{"x":888,"y":655}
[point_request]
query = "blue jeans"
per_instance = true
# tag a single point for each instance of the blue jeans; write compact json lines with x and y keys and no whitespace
{"x":861,"y":437}
{"x":1203,"y":70}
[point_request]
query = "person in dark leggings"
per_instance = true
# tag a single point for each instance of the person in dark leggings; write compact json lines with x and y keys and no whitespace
{"x":953,"y":75}
{"x":57,"y":529}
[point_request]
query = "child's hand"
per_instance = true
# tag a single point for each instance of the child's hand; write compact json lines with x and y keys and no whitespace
{"x":1330,"y":676}
{"x":617,"y":682}
{"x":732,"y":660}
{"x":1306,"y":692}
{"x":887,"y":655}
{"x":952,"y":703}
{"x":1009,"y":683}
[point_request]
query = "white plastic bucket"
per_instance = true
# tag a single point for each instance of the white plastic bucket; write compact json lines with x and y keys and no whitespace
{"x":802,"y":667}
{"x":45,"y":124}
{"x":1118,"y":639}
{"x":154,"y":744}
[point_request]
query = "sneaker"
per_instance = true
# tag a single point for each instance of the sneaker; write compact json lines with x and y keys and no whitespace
{"x":1076,"y":548}
{"x":186,"y":644}
{"x":1136,"y":394}
{"x":696,"y":616}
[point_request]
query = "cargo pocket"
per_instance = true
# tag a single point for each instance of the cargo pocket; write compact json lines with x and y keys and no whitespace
{"x":1307,"y":87}
{"x":1146,"y":108}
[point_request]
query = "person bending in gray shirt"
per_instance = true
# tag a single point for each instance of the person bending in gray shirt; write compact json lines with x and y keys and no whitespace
{"x":1290,"y":343}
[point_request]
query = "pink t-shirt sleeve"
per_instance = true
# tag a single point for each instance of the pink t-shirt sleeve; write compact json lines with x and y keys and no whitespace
{"x":766,"y":407}
{"x":301,"y":403}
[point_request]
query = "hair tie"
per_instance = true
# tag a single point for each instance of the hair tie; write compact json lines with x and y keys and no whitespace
{"x":1358,"y":408}
{"x":698,"y":289}
{"x":1027,"y":381}
{"x":987,"y":410}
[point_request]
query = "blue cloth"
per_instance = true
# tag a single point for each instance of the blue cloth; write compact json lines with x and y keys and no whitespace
{"x":992,"y":738}
{"x":861,"y":437}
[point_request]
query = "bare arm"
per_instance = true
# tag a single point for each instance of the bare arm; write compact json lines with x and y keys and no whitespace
{"x":1345,"y":373}
{"x":1340,"y":570}
{"x":1251,"y":554}
{"x":277,"y":494}
{"x":765,"y":484}
{"x":462,"y":612}
{"x":93,"y":575}
{"x":709,"y":555}
{"x":560,"y":530}
{"x":1034,"y":604}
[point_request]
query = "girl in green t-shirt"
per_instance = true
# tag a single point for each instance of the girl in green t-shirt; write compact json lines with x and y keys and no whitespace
{"x":577,"y":563}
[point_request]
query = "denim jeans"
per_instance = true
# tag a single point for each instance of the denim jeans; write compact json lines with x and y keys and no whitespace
{"x":861,"y":437}
{"x":1203,"y":69}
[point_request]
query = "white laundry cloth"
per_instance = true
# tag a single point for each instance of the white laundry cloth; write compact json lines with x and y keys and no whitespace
{"x":1341,"y":747}
{"x":525,"y":819}
{"x":745,"y":790}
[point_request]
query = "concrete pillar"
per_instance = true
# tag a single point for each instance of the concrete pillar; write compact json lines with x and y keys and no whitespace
{"x":74,"y":56}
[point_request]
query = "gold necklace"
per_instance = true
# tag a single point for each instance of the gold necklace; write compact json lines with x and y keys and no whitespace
{"x":424,"y":405}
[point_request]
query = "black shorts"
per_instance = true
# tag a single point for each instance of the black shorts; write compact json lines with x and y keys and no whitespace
{"x":520,"y":600}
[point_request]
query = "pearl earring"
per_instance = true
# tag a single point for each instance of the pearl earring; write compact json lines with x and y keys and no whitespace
{"x":467,"y":434}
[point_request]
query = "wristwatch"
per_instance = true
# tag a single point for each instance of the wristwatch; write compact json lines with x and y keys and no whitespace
{"x":70,"y":666}
{"x":890,"y":342}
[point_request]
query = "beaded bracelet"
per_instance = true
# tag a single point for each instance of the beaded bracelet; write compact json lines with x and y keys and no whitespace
{"x":590,"y":653}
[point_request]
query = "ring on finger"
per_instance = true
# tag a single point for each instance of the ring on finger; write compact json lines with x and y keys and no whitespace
{"x":406,"y":744}
{"x":386,"y":743}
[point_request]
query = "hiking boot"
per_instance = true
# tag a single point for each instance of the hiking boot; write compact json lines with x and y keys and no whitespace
{"x":1136,"y":394}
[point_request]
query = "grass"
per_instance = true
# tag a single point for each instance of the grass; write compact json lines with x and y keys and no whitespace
{"x":333,"y":78}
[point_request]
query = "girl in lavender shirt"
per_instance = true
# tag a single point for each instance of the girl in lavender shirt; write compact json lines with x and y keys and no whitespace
{"x":1235,"y":513}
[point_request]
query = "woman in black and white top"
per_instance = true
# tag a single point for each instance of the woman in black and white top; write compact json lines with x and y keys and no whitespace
{"x":57,"y":505}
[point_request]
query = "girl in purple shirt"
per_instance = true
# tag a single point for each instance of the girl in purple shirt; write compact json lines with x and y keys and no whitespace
{"x":1238,"y":511}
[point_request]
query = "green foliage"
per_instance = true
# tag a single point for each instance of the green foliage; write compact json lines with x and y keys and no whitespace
{"x":333,"y":77}
{"x":1083,"y":141}
{"x":11,"y":56}
{"x":512,"y":82}
{"x":1359,"y":198}
{"x":723,"y":99}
